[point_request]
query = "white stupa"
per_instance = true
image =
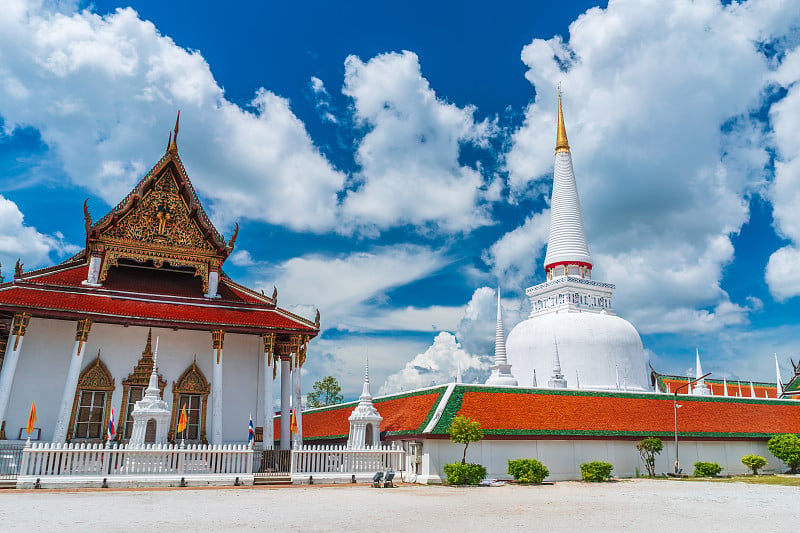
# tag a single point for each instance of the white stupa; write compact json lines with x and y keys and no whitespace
{"x":590,"y":340}
{"x":150,"y":414}
{"x":501,"y":371}
{"x":365,"y":421}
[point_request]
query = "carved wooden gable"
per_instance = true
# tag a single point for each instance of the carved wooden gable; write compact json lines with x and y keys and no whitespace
{"x":192,"y":381}
{"x":96,"y":377}
{"x":161,"y":217}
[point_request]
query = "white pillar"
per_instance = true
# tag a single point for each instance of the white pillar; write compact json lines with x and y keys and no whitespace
{"x":297,"y":401}
{"x":217,"y":337}
{"x":71,"y":383}
{"x":93,"y":274}
{"x":269,"y":392}
{"x":213,"y":283}
{"x":13,"y":348}
{"x":285,"y":393}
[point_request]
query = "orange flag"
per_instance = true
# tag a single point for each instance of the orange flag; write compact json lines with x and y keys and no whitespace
{"x":293,"y":423}
{"x":31,"y":418}
{"x":182,"y":420}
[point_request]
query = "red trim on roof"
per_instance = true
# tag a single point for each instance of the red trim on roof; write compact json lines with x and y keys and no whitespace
{"x":506,"y":411}
{"x":560,"y":263}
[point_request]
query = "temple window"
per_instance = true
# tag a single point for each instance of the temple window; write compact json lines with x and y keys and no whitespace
{"x":192,"y":389}
{"x":92,"y":405}
{"x":91,"y":413}
{"x":194,"y":412}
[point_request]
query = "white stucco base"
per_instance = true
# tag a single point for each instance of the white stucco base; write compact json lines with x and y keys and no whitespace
{"x":564,"y":457}
{"x":64,"y":482}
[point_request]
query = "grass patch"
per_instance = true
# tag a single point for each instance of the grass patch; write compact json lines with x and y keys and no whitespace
{"x":787,"y":481}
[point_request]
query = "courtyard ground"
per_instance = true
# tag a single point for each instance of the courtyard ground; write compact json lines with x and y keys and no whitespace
{"x":630,"y":505}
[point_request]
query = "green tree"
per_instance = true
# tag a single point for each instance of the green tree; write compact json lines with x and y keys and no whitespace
{"x":648,"y":449}
{"x":754,"y":462}
{"x":464,"y":430}
{"x":786,"y":447}
{"x":325,"y":391}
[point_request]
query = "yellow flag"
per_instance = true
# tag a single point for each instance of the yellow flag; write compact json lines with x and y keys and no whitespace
{"x":31,"y":418}
{"x":293,"y":423}
{"x":182,"y":419}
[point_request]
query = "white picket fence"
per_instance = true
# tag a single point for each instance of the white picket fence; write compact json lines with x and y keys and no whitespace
{"x":340,"y":463}
{"x":80,"y":459}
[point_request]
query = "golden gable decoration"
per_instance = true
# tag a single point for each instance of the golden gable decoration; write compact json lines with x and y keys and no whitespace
{"x":160,"y":220}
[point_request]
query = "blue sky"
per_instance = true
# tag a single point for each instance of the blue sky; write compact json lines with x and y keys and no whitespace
{"x":391,"y":163}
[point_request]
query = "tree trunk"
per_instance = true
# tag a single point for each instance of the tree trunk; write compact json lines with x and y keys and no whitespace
{"x":464,"y":458}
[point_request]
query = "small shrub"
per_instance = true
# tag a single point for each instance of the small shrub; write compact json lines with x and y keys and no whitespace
{"x":703,"y":469}
{"x":786,"y":447}
{"x":754,"y":462}
{"x":596,"y":471}
{"x":464,"y":430}
{"x":464,"y":473}
{"x":527,"y":470}
{"x":648,"y":449}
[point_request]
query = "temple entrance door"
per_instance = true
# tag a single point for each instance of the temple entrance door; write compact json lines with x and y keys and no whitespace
{"x":150,"y":432}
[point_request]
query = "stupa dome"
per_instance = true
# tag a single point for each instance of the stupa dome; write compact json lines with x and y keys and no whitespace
{"x":596,"y":350}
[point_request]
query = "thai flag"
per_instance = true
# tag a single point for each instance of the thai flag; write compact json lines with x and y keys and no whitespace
{"x":110,"y":432}
{"x":251,"y":431}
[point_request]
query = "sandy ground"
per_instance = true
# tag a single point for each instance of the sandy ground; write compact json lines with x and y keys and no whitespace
{"x":631,"y":505}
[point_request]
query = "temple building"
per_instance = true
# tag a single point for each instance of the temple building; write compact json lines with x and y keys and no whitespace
{"x":572,"y":334}
{"x":80,"y":338}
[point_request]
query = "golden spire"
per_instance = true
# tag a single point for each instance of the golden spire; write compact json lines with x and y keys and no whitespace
{"x":562,"y":145}
{"x":173,"y":145}
{"x":148,"y":349}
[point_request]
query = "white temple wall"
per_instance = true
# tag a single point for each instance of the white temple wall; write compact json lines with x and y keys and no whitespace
{"x":564,"y":457}
{"x":47,"y":348}
{"x":41,"y":371}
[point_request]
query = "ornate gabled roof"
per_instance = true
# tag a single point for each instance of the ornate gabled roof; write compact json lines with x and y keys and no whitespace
{"x":161,"y":220}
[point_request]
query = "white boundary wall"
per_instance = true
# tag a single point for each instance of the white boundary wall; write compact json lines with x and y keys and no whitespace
{"x":339,"y":464}
{"x":563,"y":457}
{"x":75,"y":465}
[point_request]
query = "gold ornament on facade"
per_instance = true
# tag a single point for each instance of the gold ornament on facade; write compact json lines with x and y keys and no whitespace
{"x":217,"y":339}
{"x":82,"y":332}
{"x":20,"y":325}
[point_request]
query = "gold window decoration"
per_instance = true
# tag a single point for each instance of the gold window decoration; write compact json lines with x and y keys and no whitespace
{"x":92,"y":404}
{"x":191,"y":383}
{"x":133,"y":388}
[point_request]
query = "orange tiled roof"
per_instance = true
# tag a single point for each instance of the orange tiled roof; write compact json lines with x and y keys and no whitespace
{"x":405,"y":413}
{"x":604,"y":413}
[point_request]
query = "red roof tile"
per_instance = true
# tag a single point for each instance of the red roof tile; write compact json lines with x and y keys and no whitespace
{"x":121,"y":307}
{"x":718,"y":388}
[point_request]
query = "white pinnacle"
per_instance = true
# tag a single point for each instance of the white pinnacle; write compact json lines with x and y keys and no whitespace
{"x":779,"y":384}
{"x":556,"y":380}
{"x":700,"y":389}
{"x":501,"y":371}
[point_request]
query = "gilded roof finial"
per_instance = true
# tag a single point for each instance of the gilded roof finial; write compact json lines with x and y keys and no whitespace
{"x":562,"y":145}
{"x":173,"y":145}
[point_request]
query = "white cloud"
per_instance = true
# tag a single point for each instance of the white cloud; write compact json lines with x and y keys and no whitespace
{"x":659,"y":102}
{"x":436,"y":365}
{"x":514,"y":257}
{"x":409,"y":158}
{"x":323,"y":100}
{"x":102,"y":92}
{"x":785,"y":191}
{"x":350,"y":288}
{"x":19,"y":241}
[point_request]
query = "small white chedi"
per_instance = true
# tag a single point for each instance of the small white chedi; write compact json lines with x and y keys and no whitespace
{"x":572,"y":329}
{"x":150,"y":414}
{"x":365,"y":421}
